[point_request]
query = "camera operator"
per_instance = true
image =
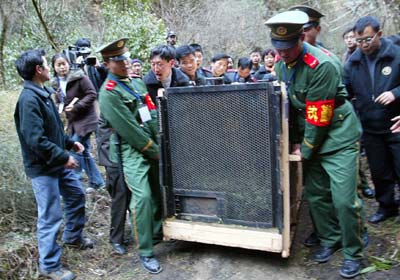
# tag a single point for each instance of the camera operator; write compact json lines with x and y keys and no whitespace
{"x":79,"y":58}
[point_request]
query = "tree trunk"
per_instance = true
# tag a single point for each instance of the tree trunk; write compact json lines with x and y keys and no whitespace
{"x":3,"y":40}
{"x":46,"y":29}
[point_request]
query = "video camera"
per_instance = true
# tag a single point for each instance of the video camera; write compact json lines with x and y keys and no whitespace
{"x":73,"y":52}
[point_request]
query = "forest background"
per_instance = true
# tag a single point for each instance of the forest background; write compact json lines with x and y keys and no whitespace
{"x":234,"y":27}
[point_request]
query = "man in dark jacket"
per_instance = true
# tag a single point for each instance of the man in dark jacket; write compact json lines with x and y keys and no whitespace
{"x":163,"y":74}
{"x":43,"y":145}
{"x":372,"y":76}
{"x":187,"y":63}
{"x":242,"y":74}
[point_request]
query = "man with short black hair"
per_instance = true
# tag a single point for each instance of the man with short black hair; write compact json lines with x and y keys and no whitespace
{"x":372,"y":76}
{"x":163,"y":74}
{"x":187,"y":62}
{"x":49,"y":165}
{"x":198,"y":53}
{"x":219,"y":66}
{"x":242,"y":74}
{"x":350,"y":42}
{"x":255,"y":57}
{"x":171,"y":39}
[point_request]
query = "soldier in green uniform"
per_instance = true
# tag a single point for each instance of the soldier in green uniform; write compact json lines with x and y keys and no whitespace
{"x":327,"y":142}
{"x":312,"y":29}
{"x":132,"y":115}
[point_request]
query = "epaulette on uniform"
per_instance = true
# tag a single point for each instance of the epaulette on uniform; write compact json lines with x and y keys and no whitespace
{"x":110,"y":85}
{"x":310,"y":60}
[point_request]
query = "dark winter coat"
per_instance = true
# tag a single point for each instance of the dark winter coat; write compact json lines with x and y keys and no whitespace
{"x":84,"y":118}
{"x":40,"y":132}
{"x":178,"y":79}
{"x":375,"y":117}
{"x":234,"y":78}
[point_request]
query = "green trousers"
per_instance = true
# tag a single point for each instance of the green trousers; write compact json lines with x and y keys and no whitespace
{"x":337,"y":210}
{"x":141,"y":176}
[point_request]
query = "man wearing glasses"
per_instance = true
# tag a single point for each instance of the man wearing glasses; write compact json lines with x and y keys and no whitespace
{"x":372,"y":76}
{"x":163,"y":74}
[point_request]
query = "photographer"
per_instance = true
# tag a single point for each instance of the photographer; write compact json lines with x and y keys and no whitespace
{"x":79,"y":58}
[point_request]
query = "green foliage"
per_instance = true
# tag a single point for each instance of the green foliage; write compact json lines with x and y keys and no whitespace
{"x":69,"y":21}
{"x":143,"y":29}
{"x":17,"y":204}
{"x":378,"y":264}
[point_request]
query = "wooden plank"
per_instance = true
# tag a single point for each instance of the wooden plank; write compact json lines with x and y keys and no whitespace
{"x":285,"y":172}
{"x":227,"y":235}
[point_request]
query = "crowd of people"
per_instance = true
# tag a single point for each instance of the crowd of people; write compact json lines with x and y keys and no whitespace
{"x":325,"y":130}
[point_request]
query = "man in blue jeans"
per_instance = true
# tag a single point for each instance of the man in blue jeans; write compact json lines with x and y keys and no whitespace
{"x":49,"y":165}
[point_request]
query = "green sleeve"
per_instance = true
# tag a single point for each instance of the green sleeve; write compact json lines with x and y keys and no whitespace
{"x":122,"y":113}
{"x":323,"y":86}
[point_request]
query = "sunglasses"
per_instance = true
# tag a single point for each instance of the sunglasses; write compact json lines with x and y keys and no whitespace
{"x":367,"y":40}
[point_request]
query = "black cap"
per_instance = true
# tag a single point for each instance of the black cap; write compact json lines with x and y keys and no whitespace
{"x":83,"y":42}
{"x":171,"y":33}
{"x":313,"y":14}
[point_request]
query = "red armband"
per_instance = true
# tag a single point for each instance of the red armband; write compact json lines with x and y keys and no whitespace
{"x":149,"y":102}
{"x":320,"y":113}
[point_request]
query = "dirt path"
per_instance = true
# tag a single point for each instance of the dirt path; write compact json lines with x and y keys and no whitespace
{"x":186,"y":260}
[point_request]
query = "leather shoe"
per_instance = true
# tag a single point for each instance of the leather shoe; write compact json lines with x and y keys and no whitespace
{"x":312,"y":240}
{"x":323,"y":254}
{"x":350,"y":268}
{"x":60,"y":274}
{"x":119,"y":248}
{"x":368,"y":192}
{"x":381,"y":216}
{"x":151,"y":264}
{"x":82,"y":244}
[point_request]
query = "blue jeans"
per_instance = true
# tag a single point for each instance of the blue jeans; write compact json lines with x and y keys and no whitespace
{"x":47,"y":190}
{"x":86,"y":162}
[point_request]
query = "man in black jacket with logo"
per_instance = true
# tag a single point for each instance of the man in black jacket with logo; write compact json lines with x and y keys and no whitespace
{"x":372,"y":76}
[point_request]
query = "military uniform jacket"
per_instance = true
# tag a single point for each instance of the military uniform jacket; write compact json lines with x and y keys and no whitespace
{"x":321,"y":118}
{"x":120,"y":109}
{"x":375,"y":117}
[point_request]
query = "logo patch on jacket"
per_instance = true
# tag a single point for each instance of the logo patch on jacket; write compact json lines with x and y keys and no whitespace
{"x":320,"y":113}
{"x":310,"y":60}
{"x":110,"y":85}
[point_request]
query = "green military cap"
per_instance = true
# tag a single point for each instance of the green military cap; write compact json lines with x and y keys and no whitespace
{"x":313,"y":14}
{"x":286,"y":28}
{"x":116,"y":50}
